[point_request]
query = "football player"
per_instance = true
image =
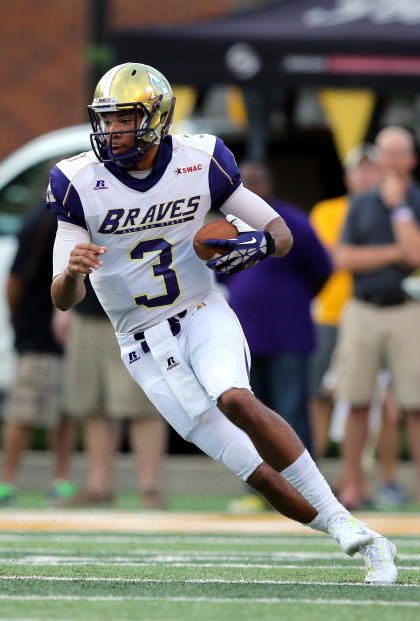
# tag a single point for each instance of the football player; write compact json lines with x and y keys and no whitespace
{"x":127,"y":214}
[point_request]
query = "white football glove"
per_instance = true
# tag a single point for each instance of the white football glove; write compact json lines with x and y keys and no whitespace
{"x":248,"y":248}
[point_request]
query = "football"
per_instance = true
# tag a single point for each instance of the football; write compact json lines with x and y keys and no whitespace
{"x":218,"y":229}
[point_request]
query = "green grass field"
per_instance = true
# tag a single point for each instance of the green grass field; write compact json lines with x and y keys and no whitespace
{"x":206,"y":577}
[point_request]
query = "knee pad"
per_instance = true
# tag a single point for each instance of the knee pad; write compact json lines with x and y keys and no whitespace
{"x":226,"y":443}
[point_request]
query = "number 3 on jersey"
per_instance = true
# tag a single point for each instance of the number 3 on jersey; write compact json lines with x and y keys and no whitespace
{"x":161,"y":269}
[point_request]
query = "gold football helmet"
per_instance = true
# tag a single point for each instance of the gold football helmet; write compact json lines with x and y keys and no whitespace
{"x":137,"y":87}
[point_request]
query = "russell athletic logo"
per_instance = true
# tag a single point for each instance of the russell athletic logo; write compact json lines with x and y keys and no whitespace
{"x":188,"y":169}
{"x":100,"y":185}
{"x":172,"y":363}
{"x":133,"y":357}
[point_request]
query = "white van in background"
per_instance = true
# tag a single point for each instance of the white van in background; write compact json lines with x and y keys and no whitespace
{"x":23,"y":181}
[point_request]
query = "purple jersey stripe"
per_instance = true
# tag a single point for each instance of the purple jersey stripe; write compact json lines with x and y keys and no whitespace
{"x":58,"y":191}
{"x":224,"y":175}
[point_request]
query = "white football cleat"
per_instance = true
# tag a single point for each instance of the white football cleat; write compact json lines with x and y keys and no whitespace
{"x":351,"y":534}
{"x":379,"y":560}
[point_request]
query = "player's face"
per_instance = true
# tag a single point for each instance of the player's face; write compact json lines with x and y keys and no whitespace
{"x":121,"y":124}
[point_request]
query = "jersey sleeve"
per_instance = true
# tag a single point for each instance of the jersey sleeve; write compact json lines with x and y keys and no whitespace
{"x":250,"y":208}
{"x":224,"y":175}
{"x":67,"y":237}
{"x":63,"y":200}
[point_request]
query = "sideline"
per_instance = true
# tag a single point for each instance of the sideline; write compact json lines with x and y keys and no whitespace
{"x":184,"y":522}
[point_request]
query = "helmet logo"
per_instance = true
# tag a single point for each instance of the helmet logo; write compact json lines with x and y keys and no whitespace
{"x":159,"y":84}
{"x":150,"y":94}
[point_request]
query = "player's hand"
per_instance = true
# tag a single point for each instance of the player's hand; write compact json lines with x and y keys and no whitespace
{"x":84,"y":258}
{"x":244,"y":251}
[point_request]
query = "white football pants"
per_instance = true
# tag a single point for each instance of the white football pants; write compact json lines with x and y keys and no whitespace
{"x":213,"y":345}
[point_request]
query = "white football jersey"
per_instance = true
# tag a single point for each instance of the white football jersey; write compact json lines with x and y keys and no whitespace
{"x":150,"y":271}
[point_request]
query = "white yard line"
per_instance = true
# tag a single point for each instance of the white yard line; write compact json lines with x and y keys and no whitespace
{"x":134,"y":556}
{"x":145,"y":539}
{"x":212,"y":600}
{"x":185,"y":556}
{"x":191,"y":581}
{"x":46,"y":556}
{"x":43,"y":562}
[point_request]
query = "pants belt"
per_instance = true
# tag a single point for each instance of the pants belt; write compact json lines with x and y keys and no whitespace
{"x":394,"y":299}
{"x":175,"y":324}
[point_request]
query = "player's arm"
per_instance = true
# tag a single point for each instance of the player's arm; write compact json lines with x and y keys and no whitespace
{"x":260,"y":216}
{"x":280,"y":232}
{"x":67,"y":291}
{"x":74,"y":256}
{"x":68,"y":288}
{"x":261,"y":233}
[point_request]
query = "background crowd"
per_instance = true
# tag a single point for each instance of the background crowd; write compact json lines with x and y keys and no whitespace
{"x":334,"y":341}
{"x":333,"y":333}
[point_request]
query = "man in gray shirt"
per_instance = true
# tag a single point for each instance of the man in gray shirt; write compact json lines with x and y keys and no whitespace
{"x":380,"y":245}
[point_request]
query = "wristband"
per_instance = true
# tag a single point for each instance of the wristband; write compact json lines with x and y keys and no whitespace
{"x":402,"y":214}
{"x":271,"y":245}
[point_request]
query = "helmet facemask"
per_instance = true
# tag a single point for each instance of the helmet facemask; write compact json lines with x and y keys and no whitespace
{"x":153,"y":114}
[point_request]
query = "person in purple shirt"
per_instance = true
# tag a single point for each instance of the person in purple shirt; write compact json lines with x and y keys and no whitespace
{"x":273,"y":304}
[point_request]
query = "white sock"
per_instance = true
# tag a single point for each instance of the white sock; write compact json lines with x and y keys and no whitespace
{"x":304,"y":475}
{"x":319,"y":524}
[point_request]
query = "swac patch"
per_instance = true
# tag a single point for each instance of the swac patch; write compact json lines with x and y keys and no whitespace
{"x":188,"y":169}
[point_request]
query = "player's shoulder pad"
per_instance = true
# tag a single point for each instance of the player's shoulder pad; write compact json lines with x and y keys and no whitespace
{"x":224,"y":160}
{"x":221,"y":159}
{"x":199,"y":142}
{"x":62,"y":197}
{"x":80,"y":168}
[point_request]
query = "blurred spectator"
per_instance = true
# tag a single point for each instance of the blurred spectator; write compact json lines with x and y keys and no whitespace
{"x":385,"y":441}
{"x":327,"y":218}
{"x":99,"y":391}
{"x":380,"y":245}
{"x":35,"y":398}
{"x":273,"y":304}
